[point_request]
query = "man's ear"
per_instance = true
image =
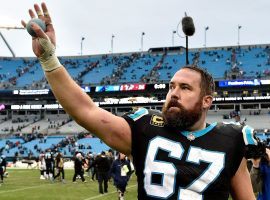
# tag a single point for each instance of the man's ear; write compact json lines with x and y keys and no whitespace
{"x":207,"y":101}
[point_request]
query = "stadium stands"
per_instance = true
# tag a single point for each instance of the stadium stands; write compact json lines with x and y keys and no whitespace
{"x":60,"y":143}
{"x":142,"y":65}
{"x":13,"y":126}
{"x":255,"y":121}
{"x":170,"y":65}
{"x":71,"y":127}
{"x":249,"y":61}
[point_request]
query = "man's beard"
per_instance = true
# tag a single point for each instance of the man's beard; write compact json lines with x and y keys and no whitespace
{"x":182,"y":119}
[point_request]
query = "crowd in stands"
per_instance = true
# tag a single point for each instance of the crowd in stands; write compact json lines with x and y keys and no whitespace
{"x":25,"y":145}
{"x":17,"y":124}
{"x":120,"y":68}
{"x":24,"y":66}
{"x":236,"y":62}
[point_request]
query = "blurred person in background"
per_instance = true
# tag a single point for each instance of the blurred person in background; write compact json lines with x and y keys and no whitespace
{"x":94,"y":168}
{"x":78,"y":167}
{"x":111,"y":159}
{"x":103,"y":167}
{"x":59,"y":164}
{"x":49,"y":162}
{"x":120,"y":172}
{"x":15,"y":159}
{"x":90,"y":168}
{"x":238,"y":120}
{"x":42,"y":166}
{"x":3,"y":167}
{"x":260,"y":176}
{"x":29,"y":161}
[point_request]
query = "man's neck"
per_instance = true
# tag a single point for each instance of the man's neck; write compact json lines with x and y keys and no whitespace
{"x":199,"y":125}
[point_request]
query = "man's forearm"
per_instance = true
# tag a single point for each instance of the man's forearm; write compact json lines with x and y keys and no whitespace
{"x":67,"y":92}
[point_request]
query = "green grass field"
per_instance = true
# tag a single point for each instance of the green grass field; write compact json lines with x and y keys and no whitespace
{"x":24,"y":184}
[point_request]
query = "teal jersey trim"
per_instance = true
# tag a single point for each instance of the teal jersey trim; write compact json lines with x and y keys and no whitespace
{"x":248,"y":134}
{"x":199,"y":133}
{"x":138,"y":114}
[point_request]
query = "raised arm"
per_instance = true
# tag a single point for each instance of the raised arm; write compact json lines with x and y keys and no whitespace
{"x":113,"y":130}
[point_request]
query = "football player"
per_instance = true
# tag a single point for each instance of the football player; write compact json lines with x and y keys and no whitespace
{"x":3,"y":167}
{"x":176,"y":154}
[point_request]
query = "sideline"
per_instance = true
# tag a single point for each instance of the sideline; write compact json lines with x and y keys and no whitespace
{"x":103,"y":195}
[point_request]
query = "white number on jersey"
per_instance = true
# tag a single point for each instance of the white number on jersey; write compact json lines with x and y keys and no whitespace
{"x":168,"y":170}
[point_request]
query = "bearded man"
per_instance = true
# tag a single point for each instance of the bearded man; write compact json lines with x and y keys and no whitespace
{"x":176,"y":154}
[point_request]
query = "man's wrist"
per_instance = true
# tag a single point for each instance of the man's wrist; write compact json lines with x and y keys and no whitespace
{"x":51,"y":64}
{"x":48,"y":59}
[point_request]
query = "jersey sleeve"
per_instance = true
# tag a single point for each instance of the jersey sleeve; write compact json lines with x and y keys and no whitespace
{"x":249,"y":135}
{"x":136,"y":121}
{"x":246,"y":137}
{"x":133,"y":117}
{"x":136,"y":115}
{"x":239,"y":137}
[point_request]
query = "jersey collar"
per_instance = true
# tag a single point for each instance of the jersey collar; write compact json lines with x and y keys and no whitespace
{"x":193,"y":135}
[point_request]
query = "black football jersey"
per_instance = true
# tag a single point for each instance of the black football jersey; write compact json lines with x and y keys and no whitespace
{"x":171,"y":164}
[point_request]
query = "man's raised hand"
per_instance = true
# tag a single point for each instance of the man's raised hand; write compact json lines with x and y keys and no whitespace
{"x":49,"y":34}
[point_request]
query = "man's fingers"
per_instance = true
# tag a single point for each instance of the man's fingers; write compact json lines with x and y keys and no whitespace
{"x":31,"y":13}
{"x":45,"y":10}
{"x":47,"y":17}
{"x":38,"y":11}
{"x":23,"y":23}
{"x":39,"y":32}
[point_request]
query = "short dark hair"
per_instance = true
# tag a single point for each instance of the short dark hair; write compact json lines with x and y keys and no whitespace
{"x":207,"y":81}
